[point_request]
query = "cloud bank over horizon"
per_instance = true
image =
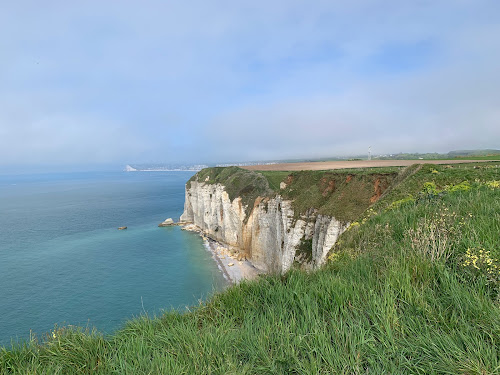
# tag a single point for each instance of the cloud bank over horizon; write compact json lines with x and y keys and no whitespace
{"x":170,"y":81}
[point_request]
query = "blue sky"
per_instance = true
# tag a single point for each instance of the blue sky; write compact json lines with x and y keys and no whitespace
{"x":214,"y":81}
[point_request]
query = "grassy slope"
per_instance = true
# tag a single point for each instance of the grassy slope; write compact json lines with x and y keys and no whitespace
{"x":396,"y":297}
{"x":343,"y":194}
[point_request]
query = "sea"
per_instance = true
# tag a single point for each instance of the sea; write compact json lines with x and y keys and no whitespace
{"x":64,"y":262}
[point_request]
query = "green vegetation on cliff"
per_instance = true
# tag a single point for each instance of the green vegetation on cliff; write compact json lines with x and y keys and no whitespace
{"x":344,"y":195}
{"x":412,"y":287}
{"x":238,"y":182}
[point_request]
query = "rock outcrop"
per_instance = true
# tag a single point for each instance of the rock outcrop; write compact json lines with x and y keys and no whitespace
{"x":167,"y":223}
{"x":270,"y":234}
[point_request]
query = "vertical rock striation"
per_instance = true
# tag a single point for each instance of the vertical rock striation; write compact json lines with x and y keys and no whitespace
{"x":269,"y":234}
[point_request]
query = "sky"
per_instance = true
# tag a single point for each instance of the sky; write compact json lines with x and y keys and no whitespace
{"x":155,"y":81}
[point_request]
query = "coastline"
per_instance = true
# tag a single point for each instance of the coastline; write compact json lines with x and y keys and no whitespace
{"x":234,"y":270}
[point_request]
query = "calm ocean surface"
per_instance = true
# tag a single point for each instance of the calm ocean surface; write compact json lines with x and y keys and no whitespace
{"x":62,"y":259}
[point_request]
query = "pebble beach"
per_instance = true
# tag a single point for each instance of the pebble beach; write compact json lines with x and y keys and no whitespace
{"x":234,"y":270}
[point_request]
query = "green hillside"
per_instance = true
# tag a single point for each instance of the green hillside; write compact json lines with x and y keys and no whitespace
{"x":486,"y":154}
{"x":412,"y":287}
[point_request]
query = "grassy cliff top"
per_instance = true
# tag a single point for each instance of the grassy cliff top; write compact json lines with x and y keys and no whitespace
{"x":344,"y":194}
{"x":247,"y":185}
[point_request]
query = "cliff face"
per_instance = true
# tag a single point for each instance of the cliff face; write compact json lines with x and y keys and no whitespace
{"x":269,"y":233}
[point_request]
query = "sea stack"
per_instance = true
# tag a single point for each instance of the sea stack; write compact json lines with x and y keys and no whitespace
{"x":167,"y":223}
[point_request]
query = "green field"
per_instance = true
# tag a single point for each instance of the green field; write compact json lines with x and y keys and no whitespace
{"x":412,"y":287}
{"x":485,"y":154}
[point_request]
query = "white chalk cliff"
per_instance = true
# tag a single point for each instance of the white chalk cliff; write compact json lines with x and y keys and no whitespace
{"x":270,"y":237}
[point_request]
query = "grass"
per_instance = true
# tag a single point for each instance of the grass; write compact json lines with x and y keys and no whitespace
{"x":397,"y":296}
{"x":274,"y":178}
{"x":411,"y":180}
{"x":344,"y":195}
{"x":484,"y":157}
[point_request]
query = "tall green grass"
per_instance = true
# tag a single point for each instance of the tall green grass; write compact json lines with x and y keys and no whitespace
{"x":395,"y":298}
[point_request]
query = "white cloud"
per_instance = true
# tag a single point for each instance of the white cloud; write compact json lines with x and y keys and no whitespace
{"x":111,"y":81}
{"x":67,"y":139}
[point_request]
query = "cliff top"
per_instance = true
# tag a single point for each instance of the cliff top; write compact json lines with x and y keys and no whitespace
{"x":342,"y":194}
{"x":247,"y":185}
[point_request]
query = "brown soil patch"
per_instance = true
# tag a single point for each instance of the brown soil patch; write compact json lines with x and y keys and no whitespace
{"x":327,"y":186}
{"x":379,"y":187}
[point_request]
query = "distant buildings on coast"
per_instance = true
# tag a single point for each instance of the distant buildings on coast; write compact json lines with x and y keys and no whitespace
{"x":163,"y":168}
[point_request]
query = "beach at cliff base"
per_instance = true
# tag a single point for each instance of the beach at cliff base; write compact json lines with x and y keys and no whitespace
{"x":234,"y":270}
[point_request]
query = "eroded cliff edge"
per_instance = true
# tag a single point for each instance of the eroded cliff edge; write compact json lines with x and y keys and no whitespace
{"x":277,"y":218}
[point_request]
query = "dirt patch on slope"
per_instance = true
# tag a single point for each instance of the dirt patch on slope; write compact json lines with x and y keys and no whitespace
{"x":327,"y":186}
{"x":381,"y":184}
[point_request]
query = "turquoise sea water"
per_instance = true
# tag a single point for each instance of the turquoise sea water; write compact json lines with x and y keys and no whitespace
{"x":62,"y":259}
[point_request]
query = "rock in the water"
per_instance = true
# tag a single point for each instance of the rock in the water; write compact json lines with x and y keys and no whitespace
{"x":167,"y":223}
{"x":122,"y":228}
